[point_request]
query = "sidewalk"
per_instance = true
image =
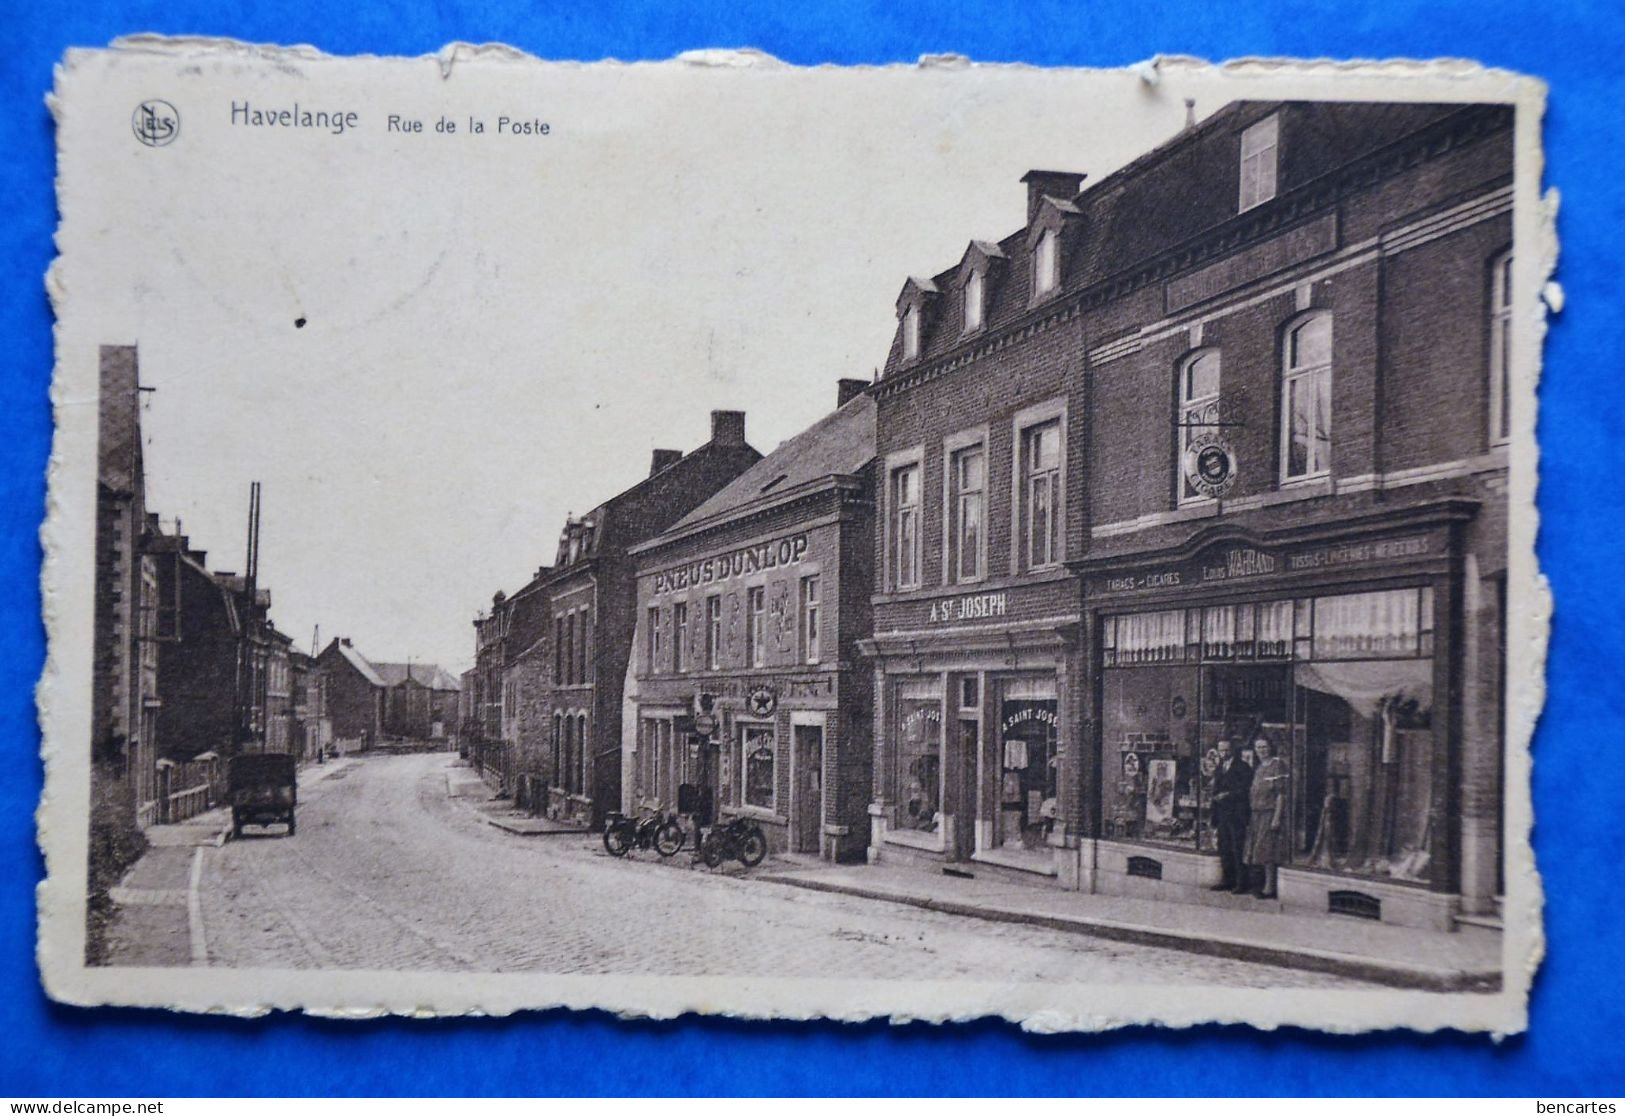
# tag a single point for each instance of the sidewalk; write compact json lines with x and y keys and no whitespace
{"x":1466,"y":961}
{"x":465,"y":786}
{"x":157,"y":920}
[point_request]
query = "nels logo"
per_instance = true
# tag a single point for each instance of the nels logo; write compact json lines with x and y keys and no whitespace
{"x":155,"y":123}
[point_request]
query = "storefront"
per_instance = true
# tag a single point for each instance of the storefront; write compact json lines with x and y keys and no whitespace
{"x":971,"y":725}
{"x":1337,"y":651}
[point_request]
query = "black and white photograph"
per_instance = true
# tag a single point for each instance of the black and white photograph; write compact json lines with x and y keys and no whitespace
{"x":920,"y":542}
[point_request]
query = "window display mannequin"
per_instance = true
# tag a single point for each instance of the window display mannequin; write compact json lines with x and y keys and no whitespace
{"x":1266,"y":827}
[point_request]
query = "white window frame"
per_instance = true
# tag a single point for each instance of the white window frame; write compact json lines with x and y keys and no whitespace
{"x":1193,"y":408}
{"x":895,"y":463}
{"x":653,"y":616}
{"x":811,"y":595}
{"x":756,"y":625}
{"x":1291,"y":376}
{"x":713,"y":632}
{"x":1047,"y":263}
{"x":975,"y":309}
{"x":911,"y":333}
{"x":679,"y":637}
{"x":1500,"y":370}
{"x":1025,"y":420}
{"x":1260,"y":163}
{"x":952,"y":446}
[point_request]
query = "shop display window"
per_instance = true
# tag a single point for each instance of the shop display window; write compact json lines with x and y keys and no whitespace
{"x":756,"y":765}
{"x":918,"y":736}
{"x":1342,"y":686}
{"x":1028,"y":717}
{"x":1151,"y":737}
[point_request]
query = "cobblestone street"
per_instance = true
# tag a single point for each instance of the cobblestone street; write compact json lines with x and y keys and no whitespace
{"x":388,"y":872}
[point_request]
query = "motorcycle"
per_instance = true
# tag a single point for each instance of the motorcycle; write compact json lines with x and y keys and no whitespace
{"x":659,"y":832}
{"x":739,"y":839}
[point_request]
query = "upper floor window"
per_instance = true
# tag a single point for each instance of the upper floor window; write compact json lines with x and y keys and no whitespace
{"x":1259,"y":145}
{"x":1047,"y":263}
{"x":558,"y":649}
{"x":653,"y":618}
{"x":713,"y":632}
{"x":1198,"y":411}
{"x":1041,"y":485}
{"x":1501,"y":348}
{"x":756,"y":625}
{"x":975,"y":294}
{"x":967,"y":473}
{"x":905,"y":527}
{"x":809,"y":618}
{"x":1306,"y":399}
{"x":911,"y":333}
{"x":583,"y":652}
{"x":679,"y":636}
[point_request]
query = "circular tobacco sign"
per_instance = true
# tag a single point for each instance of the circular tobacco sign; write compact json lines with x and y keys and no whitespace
{"x":1210,"y":466}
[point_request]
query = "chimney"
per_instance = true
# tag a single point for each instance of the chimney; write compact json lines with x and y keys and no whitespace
{"x":848,"y":390}
{"x":344,"y":641}
{"x":728,"y":428}
{"x":664,"y":459}
{"x":1043,"y":184}
{"x":1190,"y":112}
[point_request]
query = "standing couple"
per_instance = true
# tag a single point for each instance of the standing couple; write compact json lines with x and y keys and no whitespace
{"x":1249,"y":812}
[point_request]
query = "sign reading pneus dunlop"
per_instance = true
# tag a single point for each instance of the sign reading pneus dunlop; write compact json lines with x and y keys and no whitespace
{"x":736,"y":563}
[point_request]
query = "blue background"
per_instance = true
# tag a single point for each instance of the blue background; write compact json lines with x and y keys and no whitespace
{"x":1577,"y":1036}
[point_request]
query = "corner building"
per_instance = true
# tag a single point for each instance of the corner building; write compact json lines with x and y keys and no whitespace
{"x":749,"y":613}
{"x":1277,"y":347}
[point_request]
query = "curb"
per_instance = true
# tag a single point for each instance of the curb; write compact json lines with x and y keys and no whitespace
{"x":1397,"y":974}
{"x":519,"y":829}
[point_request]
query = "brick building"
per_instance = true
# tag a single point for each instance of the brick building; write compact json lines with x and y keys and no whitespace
{"x":124,"y":693}
{"x":1243,"y":406}
{"x":591,"y":595}
{"x":756,"y":599}
{"x":420,"y":700}
{"x":355,"y":696}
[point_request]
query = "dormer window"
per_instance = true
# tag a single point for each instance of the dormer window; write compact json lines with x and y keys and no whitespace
{"x":911,"y":333}
{"x":1259,"y":145}
{"x":1047,"y":263}
{"x":975,"y":292}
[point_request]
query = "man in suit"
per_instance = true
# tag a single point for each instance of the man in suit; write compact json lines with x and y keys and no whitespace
{"x":1232,"y":784}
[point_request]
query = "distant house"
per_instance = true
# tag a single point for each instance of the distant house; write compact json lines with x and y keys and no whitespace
{"x":420,"y":700}
{"x":355,"y":696}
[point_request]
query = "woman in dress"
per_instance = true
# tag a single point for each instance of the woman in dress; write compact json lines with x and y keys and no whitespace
{"x":1266,"y":824}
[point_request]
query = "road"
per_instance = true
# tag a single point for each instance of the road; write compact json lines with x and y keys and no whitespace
{"x":389,"y":872}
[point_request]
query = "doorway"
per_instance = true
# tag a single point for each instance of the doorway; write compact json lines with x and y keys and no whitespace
{"x":807,"y":765}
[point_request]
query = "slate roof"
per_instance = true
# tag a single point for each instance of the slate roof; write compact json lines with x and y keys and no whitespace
{"x":1158,"y":203}
{"x":428,"y":674}
{"x":362,"y":666}
{"x":839,"y":444}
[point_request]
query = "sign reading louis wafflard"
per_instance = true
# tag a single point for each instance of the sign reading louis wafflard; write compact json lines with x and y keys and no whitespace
{"x":932,"y":558}
{"x":746,"y":560}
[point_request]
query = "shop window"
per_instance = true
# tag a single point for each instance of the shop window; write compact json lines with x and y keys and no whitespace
{"x":1150,"y":737}
{"x":1259,"y":147}
{"x":679,"y":637}
{"x":756,"y":765}
{"x":1500,"y":348}
{"x":1041,"y":475}
{"x":1198,"y":413}
{"x":809,"y":619}
{"x":975,"y":291}
{"x":918,"y":736}
{"x":756,"y":625}
{"x":968,"y":476}
{"x":713,"y":632}
{"x":1306,"y":399}
{"x":905,"y":527}
{"x":1047,"y":263}
{"x":652,"y":619}
{"x":1028,"y":719}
